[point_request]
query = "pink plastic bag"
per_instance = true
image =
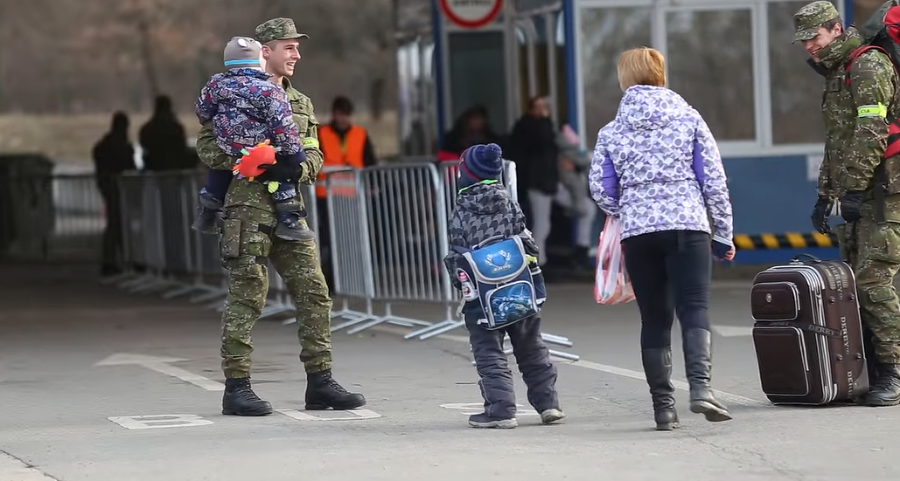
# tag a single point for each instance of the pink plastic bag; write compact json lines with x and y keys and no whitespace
{"x":611,"y":282}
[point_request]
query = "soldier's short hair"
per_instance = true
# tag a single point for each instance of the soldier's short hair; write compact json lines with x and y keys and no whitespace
{"x":641,"y":66}
{"x":831,"y":23}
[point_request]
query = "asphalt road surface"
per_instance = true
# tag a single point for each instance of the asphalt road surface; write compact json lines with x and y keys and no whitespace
{"x":103,"y":385}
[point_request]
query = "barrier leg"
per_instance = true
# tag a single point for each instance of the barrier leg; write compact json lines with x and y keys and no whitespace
{"x":402,"y":321}
{"x":448,"y":321}
{"x":353,"y":317}
{"x":180,"y":291}
{"x":275,"y":308}
{"x":212,"y":294}
{"x":117,"y":278}
{"x":556,"y":340}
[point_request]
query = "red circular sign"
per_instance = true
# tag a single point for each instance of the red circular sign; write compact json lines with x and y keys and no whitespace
{"x":471,"y":13}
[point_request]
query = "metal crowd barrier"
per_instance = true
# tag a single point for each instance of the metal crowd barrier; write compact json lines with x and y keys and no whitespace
{"x":387,"y":227}
{"x":387,"y":223}
{"x":390,"y":225}
{"x":448,"y":173}
{"x":51,"y":217}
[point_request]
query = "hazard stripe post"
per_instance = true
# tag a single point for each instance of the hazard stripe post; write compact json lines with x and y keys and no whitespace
{"x":790,"y":240}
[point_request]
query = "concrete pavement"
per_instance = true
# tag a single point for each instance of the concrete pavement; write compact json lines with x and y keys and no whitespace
{"x":97,"y":384}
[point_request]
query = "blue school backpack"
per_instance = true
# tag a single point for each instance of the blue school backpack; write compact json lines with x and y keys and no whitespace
{"x":496,"y":276}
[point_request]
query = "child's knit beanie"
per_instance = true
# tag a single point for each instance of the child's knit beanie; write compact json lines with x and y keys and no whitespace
{"x":482,"y":162}
{"x":242,"y":52}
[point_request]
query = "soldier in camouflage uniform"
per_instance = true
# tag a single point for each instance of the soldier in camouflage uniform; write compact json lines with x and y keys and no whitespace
{"x":247,"y":243}
{"x":855,"y":106}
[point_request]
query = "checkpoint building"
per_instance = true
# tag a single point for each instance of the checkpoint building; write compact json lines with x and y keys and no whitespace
{"x":732,"y":59}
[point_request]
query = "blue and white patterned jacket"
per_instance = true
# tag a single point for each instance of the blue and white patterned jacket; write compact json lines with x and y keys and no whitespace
{"x":656,"y":167}
{"x":246,"y":109}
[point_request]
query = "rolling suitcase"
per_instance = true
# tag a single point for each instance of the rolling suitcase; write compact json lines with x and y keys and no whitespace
{"x":807,"y":333}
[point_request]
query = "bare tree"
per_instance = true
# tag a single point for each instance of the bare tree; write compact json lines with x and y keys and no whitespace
{"x":102,"y":55}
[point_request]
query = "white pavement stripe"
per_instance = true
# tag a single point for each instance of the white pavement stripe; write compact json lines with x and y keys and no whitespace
{"x":161,"y":365}
{"x":12,"y":469}
{"x":195,"y":379}
{"x":723,"y":396}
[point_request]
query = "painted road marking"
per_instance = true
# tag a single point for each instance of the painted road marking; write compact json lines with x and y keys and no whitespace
{"x":13,"y":469}
{"x":353,"y":415}
{"x":469,"y":409}
{"x":159,"y":421}
{"x":724,"y":396}
{"x":161,"y":365}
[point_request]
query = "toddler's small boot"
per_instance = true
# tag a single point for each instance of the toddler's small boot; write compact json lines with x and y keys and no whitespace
{"x":208,"y":214}
{"x":290,"y":226}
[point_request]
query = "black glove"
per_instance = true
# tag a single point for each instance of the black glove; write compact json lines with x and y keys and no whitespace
{"x":820,"y":215}
{"x":280,"y":172}
{"x":850,"y":204}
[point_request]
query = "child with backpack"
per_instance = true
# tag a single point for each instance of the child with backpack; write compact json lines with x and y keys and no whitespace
{"x":493,"y":261}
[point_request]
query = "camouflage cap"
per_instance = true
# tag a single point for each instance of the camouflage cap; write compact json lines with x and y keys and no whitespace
{"x":277,"y":29}
{"x":812,"y":16}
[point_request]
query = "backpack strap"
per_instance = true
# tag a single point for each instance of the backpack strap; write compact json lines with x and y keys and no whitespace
{"x":855,"y":55}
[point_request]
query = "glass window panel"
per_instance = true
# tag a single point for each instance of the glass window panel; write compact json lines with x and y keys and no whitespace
{"x":710,"y":63}
{"x":606,"y":33}
{"x":562,"y":91}
{"x":524,"y":79}
{"x":796,"y":88}
{"x":478,"y":75}
{"x":541,"y":56}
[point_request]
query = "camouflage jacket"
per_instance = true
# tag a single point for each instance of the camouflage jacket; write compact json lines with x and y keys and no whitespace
{"x":246,"y":109}
{"x":253,"y":194}
{"x":856,"y":107}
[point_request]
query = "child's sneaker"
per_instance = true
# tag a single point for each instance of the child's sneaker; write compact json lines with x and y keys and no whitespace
{"x":483,"y":421}
{"x":208,"y":209}
{"x":550,"y":416}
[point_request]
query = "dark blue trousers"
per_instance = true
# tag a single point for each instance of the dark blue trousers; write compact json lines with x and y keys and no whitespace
{"x":670,"y":273}
{"x":496,"y":381}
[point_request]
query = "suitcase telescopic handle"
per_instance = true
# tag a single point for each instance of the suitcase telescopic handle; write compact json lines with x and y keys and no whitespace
{"x":810,"y":257}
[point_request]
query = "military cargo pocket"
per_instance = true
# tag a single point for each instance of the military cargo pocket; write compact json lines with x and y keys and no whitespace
{"x":230,"y":242}
{"x":256,"y":243}
{"x":880,"y":294}
{"x":884,"y":243}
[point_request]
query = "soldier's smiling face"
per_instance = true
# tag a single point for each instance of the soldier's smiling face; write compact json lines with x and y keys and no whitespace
{"x":822,"y":40}
{"x":281,"y":57}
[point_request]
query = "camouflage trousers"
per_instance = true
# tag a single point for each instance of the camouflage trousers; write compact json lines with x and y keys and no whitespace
{"x":244,"y":251}
{"x":873,"y":250}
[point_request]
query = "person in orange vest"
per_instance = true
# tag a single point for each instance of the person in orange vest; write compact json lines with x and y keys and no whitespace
{"x":343,"y":144}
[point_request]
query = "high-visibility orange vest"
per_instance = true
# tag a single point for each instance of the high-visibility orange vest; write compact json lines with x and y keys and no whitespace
{"x":348,"y":153}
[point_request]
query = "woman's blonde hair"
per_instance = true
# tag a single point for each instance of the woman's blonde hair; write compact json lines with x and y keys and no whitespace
{"x":641,"y":66}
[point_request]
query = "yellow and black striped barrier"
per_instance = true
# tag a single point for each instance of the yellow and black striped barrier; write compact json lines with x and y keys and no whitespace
{"x":790,"y":240}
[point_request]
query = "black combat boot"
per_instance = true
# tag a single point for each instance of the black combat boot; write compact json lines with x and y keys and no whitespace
{"x":240,"y":400}
{"x":698,"y":366}
{"x":323,"y":392}
{"x":658,"y":370}
{"x":886,"y":388}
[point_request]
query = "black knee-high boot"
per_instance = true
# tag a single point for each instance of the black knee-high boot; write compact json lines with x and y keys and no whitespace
{"x":658,"y":370}
{"x":698,"y":367}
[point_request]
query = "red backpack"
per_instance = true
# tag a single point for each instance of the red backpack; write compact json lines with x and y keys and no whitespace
{"x":882,"y":32}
